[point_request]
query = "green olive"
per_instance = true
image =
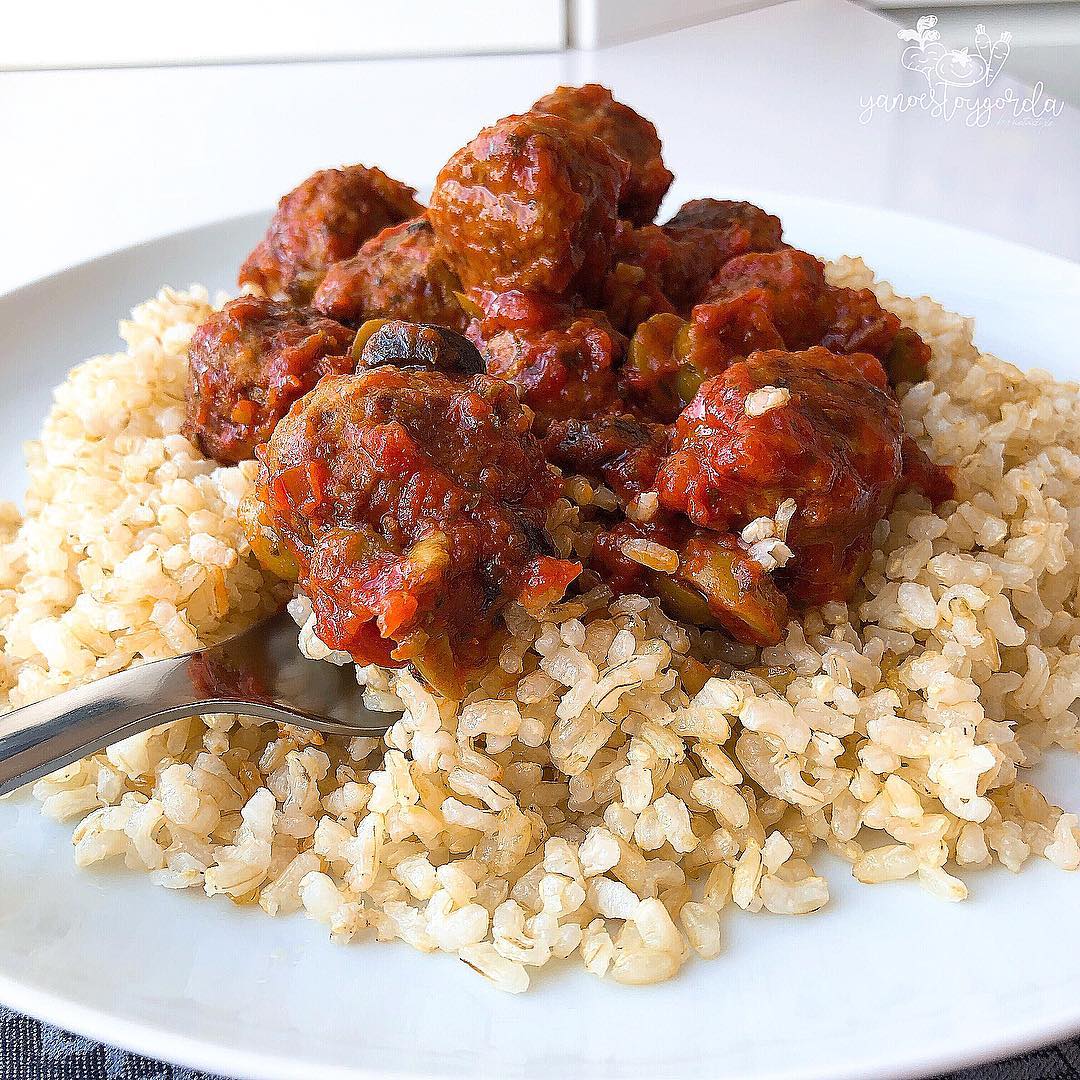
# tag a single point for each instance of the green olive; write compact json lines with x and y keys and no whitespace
{"x":690,"y":376}
{"x":653,"y":343}
{"x":265,"y":544}
{"x":430,"y":555}
{"x":735,"y":592}
{"x":688,"y":381}
{"x":682,"y":601}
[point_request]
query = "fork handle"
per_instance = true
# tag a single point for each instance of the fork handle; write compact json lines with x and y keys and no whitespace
{"x":40,"y":738}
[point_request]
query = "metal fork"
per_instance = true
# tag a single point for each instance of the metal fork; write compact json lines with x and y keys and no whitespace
{"x":258,"y":673}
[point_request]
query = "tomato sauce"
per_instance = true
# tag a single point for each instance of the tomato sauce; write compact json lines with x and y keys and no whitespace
{"x":734,"y":412}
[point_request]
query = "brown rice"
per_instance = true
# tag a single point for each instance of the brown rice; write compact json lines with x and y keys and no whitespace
{"x":599,"y":795}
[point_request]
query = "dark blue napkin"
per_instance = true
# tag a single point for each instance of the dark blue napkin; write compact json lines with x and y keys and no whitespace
{"x":30,"y":1050}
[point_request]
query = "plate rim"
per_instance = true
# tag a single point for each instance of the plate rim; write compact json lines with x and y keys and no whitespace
{"x":190,"y":1052}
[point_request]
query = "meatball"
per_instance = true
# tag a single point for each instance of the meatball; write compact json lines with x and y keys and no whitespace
{"x":807,"y":310}
{"x":248,"y":363}
{"x":678,"y":269}
{"x":615,"y":448}
{"x":592,"y":109}
{"x":676,"y":262}
{"x":561,"y":357}
{"x":858,"y":323}
{"x":716,"y":582}
{"x":530,"y":203}
{"x":395,"y":275}
{"x":321,"y":222}
{"x":682,"y":261}
{"x":748,"y":226}
{"x":816,"y":427}
{"x":414,"y":504}
{"x":791,"y":286}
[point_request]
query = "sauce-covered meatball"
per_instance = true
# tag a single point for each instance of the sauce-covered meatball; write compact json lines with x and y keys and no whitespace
{"x":761,"y":231}
{"x":248,"y":363}
{"x":593,"y":110}
{"x":791,"y":287}
{"x":807,"y":310}
{"x":530,"y":204}
{"x":414,"y":504}
{"x":395,"y":275}
{"x":683,"y":256}
{"x":321,"y":222}
{"x":677,"y":269}
{"x":561,"y":357}
{"x":618,"y":449}
{"x":816,"y":427}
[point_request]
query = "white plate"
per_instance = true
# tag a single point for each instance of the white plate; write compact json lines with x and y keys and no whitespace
{"x":885,"y":982}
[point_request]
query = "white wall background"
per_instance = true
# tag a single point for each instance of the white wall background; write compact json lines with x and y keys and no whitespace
{"x":124,"y":33}
{"x":119,"y":33}
{"x":75,"y":33}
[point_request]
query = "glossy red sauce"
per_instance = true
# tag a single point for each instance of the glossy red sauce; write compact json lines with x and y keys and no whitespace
{"x":834,"y":445}
{"x":593,"y":110}
{"x":248,"y":363}
{"x":414,"y":503}
{"x":321,"y":222}
{"x":397,"y":274}
{"x":413,"y":496}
